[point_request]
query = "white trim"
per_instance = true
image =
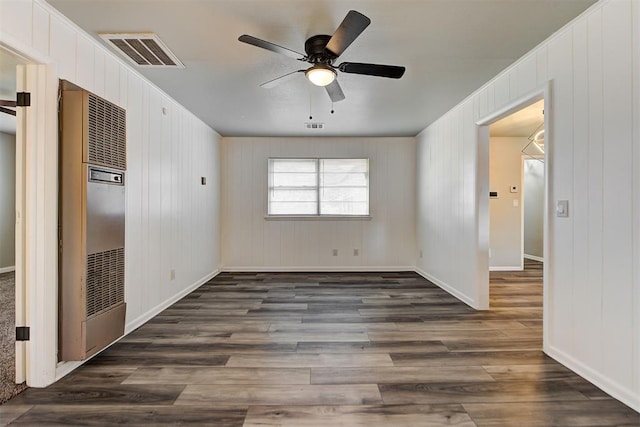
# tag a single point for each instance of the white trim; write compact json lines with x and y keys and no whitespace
{"x":534,"y":258}
{"x":506,"y":268}
{"x":310,"y":269}
{"x":625,"y":395}
{"x":448,"y":288}
{"x":7,"y":269}
{"x":40,"y":224}
{"x":150,"y":314}
{"x":318,"y":217}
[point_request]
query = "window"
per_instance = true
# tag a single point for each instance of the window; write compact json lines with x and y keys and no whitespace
{"x":317,"y":187}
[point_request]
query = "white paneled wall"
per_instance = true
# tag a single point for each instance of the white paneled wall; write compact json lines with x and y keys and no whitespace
{"x":386,"y":241}
{"x":172,"y":221}
{"x":593,"y":292}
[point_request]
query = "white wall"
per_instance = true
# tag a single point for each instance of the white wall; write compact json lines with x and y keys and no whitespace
{"x":593,"y":264}
{"x":7,"y":201}
{"x":387,"y":241}
{"x":533,"y":205}
{"x":172,"y":222}
{"x":505,"y":212}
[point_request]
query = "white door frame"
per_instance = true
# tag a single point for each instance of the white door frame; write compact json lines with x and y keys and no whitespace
{"x":482,"y":197}
{"x":37,"y":225}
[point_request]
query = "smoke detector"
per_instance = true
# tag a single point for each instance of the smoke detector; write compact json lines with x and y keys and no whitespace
{"x":143,"y":49}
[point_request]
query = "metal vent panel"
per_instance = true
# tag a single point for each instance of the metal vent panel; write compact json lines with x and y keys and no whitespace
{"x":107,"y":133}
{"x":143,"y":49}
{"x":314,"y":125}
{"x":105,"y":280}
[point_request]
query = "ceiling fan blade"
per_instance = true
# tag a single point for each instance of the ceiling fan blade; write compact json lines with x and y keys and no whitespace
{"x":245,"y":38}
{"x":390,"y":71}
{"x":275,"y":82}
{"x":350,"y":28}
{"x":335,"y":91}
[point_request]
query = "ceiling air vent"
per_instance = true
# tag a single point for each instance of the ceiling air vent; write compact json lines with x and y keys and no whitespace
{"x":314,"y":125}
{"x":143,"y":49}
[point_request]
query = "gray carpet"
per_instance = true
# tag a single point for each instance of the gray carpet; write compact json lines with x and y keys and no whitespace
{"x":8,"y":388}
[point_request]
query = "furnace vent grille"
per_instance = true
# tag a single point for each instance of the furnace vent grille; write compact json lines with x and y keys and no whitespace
{"x":105,"y":280}
{"x":107,"y":142}
{"x":143,"y":49}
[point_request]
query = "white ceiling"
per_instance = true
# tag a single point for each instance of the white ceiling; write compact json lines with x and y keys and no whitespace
{"x":522,"y":123}
{"x":450,"y":48}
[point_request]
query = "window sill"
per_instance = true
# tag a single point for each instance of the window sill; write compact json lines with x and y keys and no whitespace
{"x":317,"y":217}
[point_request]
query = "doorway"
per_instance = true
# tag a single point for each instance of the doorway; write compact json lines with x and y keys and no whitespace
{"x":516,"y":188}
{"x":9,"y":377}
{"x":515,"y":204}
{"x":484,"y":193}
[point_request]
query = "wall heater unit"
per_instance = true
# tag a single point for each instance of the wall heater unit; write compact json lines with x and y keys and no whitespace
{"x":91,"y":223}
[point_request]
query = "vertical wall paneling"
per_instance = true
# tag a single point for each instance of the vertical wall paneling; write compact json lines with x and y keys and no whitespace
{"x":618,"y":185}
{"x":387,"y":240}
{"x":592,"y":302}
{"x":591,"y":341}
{"x":636,"y":180}
{"x":168,"y":214}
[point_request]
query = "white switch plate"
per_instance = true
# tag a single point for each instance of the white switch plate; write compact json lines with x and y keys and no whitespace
{"x":562,"y":208}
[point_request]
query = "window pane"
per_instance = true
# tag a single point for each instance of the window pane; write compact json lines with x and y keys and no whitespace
{"x":345,"y":194}
{"x":344,"y":179}
{"x":344,"y":186}
{"x":344,"y":208}
{"x":279,"y":195}
{"x":345,"y":165}
{"x":293,"y":165}
{"x":292,"y":180}
{"x":293,"y":208}
{"x":293,"y":187}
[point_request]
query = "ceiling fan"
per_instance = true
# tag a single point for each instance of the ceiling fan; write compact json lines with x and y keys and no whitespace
{"x":322,"y":50}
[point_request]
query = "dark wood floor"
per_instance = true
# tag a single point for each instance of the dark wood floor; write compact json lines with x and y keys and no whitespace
{"x":323,"y":349}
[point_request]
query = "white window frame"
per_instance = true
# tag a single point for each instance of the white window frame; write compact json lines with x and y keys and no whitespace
{"x":317,"y":215}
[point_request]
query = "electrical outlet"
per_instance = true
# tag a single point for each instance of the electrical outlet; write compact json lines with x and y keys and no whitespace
{"x":172,"y":274}
{"x":335,"y":252}
{"x":356,"y":252}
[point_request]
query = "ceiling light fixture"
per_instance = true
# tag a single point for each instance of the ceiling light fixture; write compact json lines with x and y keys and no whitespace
{"x":321,"y":75}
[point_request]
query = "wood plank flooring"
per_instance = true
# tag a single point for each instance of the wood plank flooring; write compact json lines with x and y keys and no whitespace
{"x":329,"y":349}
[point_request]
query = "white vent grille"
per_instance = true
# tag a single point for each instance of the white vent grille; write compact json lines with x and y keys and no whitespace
{"x":107,"y":138}
{"x":143,"y":49}
{"x":314,"y":125}
{"x":105,"y":280}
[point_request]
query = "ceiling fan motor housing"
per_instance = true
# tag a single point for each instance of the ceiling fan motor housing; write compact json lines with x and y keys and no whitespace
{"x":315,"y":47}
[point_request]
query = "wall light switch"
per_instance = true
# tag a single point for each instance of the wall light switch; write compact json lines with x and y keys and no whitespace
{"x":516,"y":203}
{"x":203,"y":180}
{"x":562,"y":208}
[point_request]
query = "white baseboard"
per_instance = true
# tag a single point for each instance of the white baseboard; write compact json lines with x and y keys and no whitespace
{"x":506,"y":268}
{"x":533,"y":258}
{"x":328,"y":269}
{"x":150,"y":314}
{"x":7,"y":269}
{"x":623,"y":394}
{"x":454,"y":292}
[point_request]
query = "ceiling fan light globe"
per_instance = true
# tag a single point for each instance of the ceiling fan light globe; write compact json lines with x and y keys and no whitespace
{"x":320,"y":76}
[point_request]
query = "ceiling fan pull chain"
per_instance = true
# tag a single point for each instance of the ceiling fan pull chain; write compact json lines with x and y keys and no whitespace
{"x":332,"y":110}
{"x":310,"y":116}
